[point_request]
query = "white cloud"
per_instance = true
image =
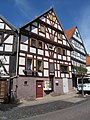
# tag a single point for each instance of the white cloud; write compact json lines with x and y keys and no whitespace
{"x":84,"y":26}
{"x":25,"y":7}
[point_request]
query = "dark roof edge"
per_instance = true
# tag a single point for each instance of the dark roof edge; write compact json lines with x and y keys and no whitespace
{"x":10,"y":25}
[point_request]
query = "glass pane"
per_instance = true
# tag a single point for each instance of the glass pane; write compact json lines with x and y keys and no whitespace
{"x":29,"y":62}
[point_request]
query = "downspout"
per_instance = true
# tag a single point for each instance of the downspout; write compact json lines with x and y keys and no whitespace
{"x":17,"y":57}
{"x":17,"y":63}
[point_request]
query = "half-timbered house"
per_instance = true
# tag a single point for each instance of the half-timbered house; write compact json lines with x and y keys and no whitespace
{"x":8,"y":54}
{"x":78,"y":55}
{"x":44,"y":58}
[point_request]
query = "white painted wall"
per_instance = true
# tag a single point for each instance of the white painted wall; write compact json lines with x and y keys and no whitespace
{"x":8,"y":28}
{"x":8,"y":48}
{"x":23,"y":47}
{"x":1,"y":25}
{"x":40,"y":52}
{"x":46,"y":73}
{"x":9,"y":39}
{"x":21,"y":70}
{"x":21,"y":61}
{"x":33,"y":50}
{"x":46,"y":53}
{"x":45,"y":64}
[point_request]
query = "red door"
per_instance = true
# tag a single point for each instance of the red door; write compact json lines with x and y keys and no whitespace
{"x":39,"y":89}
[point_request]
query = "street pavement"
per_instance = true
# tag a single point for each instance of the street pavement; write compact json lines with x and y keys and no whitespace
{"x":71,"y":96}
{"x":39,"y":106}
{"x":77,"y":112}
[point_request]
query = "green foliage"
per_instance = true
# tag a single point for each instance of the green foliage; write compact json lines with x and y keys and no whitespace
{"x":80,"y":70}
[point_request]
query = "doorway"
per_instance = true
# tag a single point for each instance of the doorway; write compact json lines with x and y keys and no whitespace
{"x":65,"y":85}
{"x":39,"y":89}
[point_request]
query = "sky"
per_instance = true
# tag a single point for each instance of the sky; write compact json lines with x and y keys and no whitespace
{"x":70,"y":13}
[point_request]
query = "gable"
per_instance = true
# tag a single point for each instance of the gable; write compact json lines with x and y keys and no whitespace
{"x":47,"y":26}
{"x":4,"y":25}
{"x":77,"y":35}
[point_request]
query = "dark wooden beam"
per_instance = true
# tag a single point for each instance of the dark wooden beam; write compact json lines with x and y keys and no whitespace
{"x":33,"y":35}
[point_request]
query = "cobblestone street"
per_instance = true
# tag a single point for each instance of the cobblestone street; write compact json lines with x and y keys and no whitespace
{"x":18,"y":111}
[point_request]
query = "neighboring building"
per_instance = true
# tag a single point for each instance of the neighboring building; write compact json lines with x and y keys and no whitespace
{"x":78,"y":56}
{"x":8,"y":53}
{"x":44,"y":58}
{"x":88,"y":64}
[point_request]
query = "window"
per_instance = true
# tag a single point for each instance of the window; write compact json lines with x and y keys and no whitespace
{"x":52,"y":18}
{"x":64,"y":69}
{"x":42,"y":28}
{"x":59,"y":50}
{"x":51,"y":68}
{"x":25,"y":83}
{"x":33,"y":42}
{"x":59,"y":36}
{"x":50,"y":46}
{"x":29,"y":63}
{"x":64,"y":52}
{"x":39,"y":44}
{"x":39,"y":65}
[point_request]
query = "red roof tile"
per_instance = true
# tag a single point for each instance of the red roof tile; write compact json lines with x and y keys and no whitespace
{"x":69,"y":32}
{"x":87,"y":60}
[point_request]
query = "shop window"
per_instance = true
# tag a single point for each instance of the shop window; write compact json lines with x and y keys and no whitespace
{"x":33,"y":42}
{"x":29,"y":64}
{"x":64,"y":69}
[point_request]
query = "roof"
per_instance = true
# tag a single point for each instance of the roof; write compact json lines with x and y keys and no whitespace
{"x":70,"y":32}
{"x":8,"y":23}
{"x":88,"y":60}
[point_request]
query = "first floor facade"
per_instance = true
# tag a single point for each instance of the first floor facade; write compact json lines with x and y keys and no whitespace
{"x":35,"y":87}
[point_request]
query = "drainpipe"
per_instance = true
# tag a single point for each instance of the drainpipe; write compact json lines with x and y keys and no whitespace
{"x":17,"y":59}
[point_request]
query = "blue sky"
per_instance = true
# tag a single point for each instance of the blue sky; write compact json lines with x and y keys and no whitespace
{"x":70,"y":12}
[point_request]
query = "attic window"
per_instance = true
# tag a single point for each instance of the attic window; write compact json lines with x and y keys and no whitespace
{"x":60,"y":36}
{"x":52,"y":18}
{"x":42,"y":28}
